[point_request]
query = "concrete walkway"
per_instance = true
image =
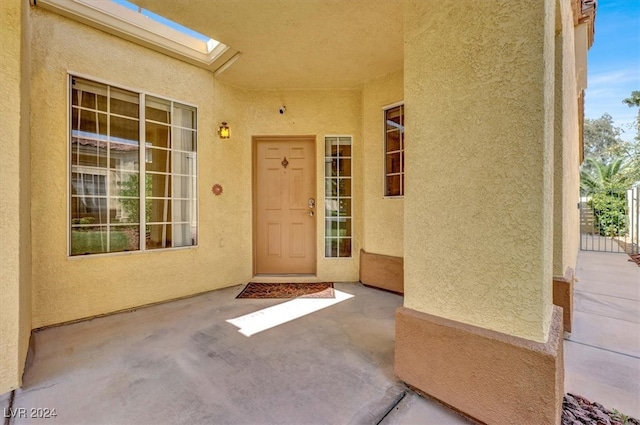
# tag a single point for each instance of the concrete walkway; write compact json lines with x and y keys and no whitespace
{"x":602,"y":353}
{"x":183,"y":363}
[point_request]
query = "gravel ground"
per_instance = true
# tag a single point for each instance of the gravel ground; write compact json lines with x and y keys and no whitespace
{"x":578,"y":410}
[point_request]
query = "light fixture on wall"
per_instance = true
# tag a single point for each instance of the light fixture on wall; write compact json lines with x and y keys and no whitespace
{"x":223,"y":130}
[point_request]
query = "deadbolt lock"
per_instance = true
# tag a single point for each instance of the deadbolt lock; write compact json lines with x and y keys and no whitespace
{"x":312,"y":202}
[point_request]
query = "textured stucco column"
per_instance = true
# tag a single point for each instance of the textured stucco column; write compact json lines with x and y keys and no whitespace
{"x":566,"y":161}
{"x":15,"y":216}
{"x":479,"y":95}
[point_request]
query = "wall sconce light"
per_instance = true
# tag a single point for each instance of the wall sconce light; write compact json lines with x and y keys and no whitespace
{"x":223,"y":131}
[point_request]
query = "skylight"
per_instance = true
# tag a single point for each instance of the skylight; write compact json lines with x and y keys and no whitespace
{"x":209,"y":42}
{"x":134,"y":23}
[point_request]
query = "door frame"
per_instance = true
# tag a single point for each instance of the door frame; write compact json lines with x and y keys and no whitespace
{"x":254,"y":193}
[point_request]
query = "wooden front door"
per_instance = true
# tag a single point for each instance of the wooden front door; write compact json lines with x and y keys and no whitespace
{"x":284,"y":205}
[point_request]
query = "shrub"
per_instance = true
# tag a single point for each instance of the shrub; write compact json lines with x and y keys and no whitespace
{"x":610,"y":210}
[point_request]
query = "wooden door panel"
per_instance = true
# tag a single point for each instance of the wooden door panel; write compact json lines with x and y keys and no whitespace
{"x":285,"y":234}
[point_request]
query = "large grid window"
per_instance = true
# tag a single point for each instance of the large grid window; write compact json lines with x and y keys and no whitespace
{"x":113,"y":209}
{"x":337,"y":183}
{"x":394,"y":151}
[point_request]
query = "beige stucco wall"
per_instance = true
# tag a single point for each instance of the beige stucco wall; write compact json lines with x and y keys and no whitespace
{"x":15,"y":254}
{"x":384,"y":226}
{"x":308,"y":112}
{"x":566,"y":156}
{"x":72,"y":288}
{"x":479,"y":101}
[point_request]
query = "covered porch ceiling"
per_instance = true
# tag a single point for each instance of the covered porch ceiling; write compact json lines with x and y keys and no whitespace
{"x":297,"y":44}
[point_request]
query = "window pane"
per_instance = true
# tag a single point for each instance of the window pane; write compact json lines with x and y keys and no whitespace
{"x":331,"y":227}
{"x":125,"y":131}
{"x":89,"y":94}
{"x":331,"y":167}
{"x":88,"y":184}
{"x":124,"y":238}
{"x":124,"y":102}
{"x":394,"y":118}
{"x":344,"y":149}
{"x":393,"y":186}
{"x":344,"y":227}
{"x":330,"y":247}
{"x":128,"y":184}
{"x":184,"y":116}
{"x":185,"y":140}
{"x":158,"y":109}
{"x":344,"y":187}
{"x":159,"y":210}
{"x":123,"y":156}
{"x":331,"y":187}
{"x":159,"y":236}
{"x":158,"y":185}
{"x":184,"y":187}
{"x":345,"y":247}
{"x":88,"y":152}
{"x":158,"y":135}
{"x":344,"y":167}
{"x":126,"y":210}
{"x":330,"y":148}
{"x":393,"y":141}
{"x":331,"y":207}
{"x":158,"y":160}
{"x":393,"y":163}
{"x":184,"y":163}
{"x":88,"y":124}
{"x":88,"y":210}
{"x":183,"y":235}
{"x":345,"y":207}
{"x":88,"y":240}
{"x":182,"y":211}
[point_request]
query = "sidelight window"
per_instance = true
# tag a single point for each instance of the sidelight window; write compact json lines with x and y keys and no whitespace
{"x":338,"y":199}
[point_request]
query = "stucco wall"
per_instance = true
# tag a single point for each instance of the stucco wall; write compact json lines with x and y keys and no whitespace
{"x":479,"y":101}
{"x":308,"y":112}
{"x":384,"y":226}
{"x":15,"y":252}
{"x":566,"y":156}
{"x":72,"y":288}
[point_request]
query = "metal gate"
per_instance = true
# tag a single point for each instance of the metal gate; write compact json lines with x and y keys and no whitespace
{"x":610,"y":221}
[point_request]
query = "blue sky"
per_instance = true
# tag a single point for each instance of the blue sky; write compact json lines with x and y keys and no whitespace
{"x":613,"y":63}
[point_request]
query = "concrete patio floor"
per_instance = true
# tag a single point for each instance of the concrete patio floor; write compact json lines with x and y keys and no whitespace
{"x":602,"y":353}
{"x":181,"y":362}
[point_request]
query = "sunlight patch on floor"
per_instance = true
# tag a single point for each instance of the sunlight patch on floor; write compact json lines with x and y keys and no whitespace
{"x":270,"y":317}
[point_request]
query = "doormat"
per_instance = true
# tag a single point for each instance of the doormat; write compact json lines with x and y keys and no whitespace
{"x":287,"y":290}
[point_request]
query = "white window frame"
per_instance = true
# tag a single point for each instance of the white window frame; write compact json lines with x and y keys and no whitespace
{"x":351,"y":216}
{"x":142,"y":167}
{"x":384,"y":151}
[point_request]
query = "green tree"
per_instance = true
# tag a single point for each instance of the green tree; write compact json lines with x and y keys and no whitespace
{"x":603,"y":176}
{"x":602,"y":140}
{"x":606,"y":185}
{"x":634,"y":148}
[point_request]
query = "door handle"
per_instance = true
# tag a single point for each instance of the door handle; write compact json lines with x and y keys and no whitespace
{"x":311,"y":213}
